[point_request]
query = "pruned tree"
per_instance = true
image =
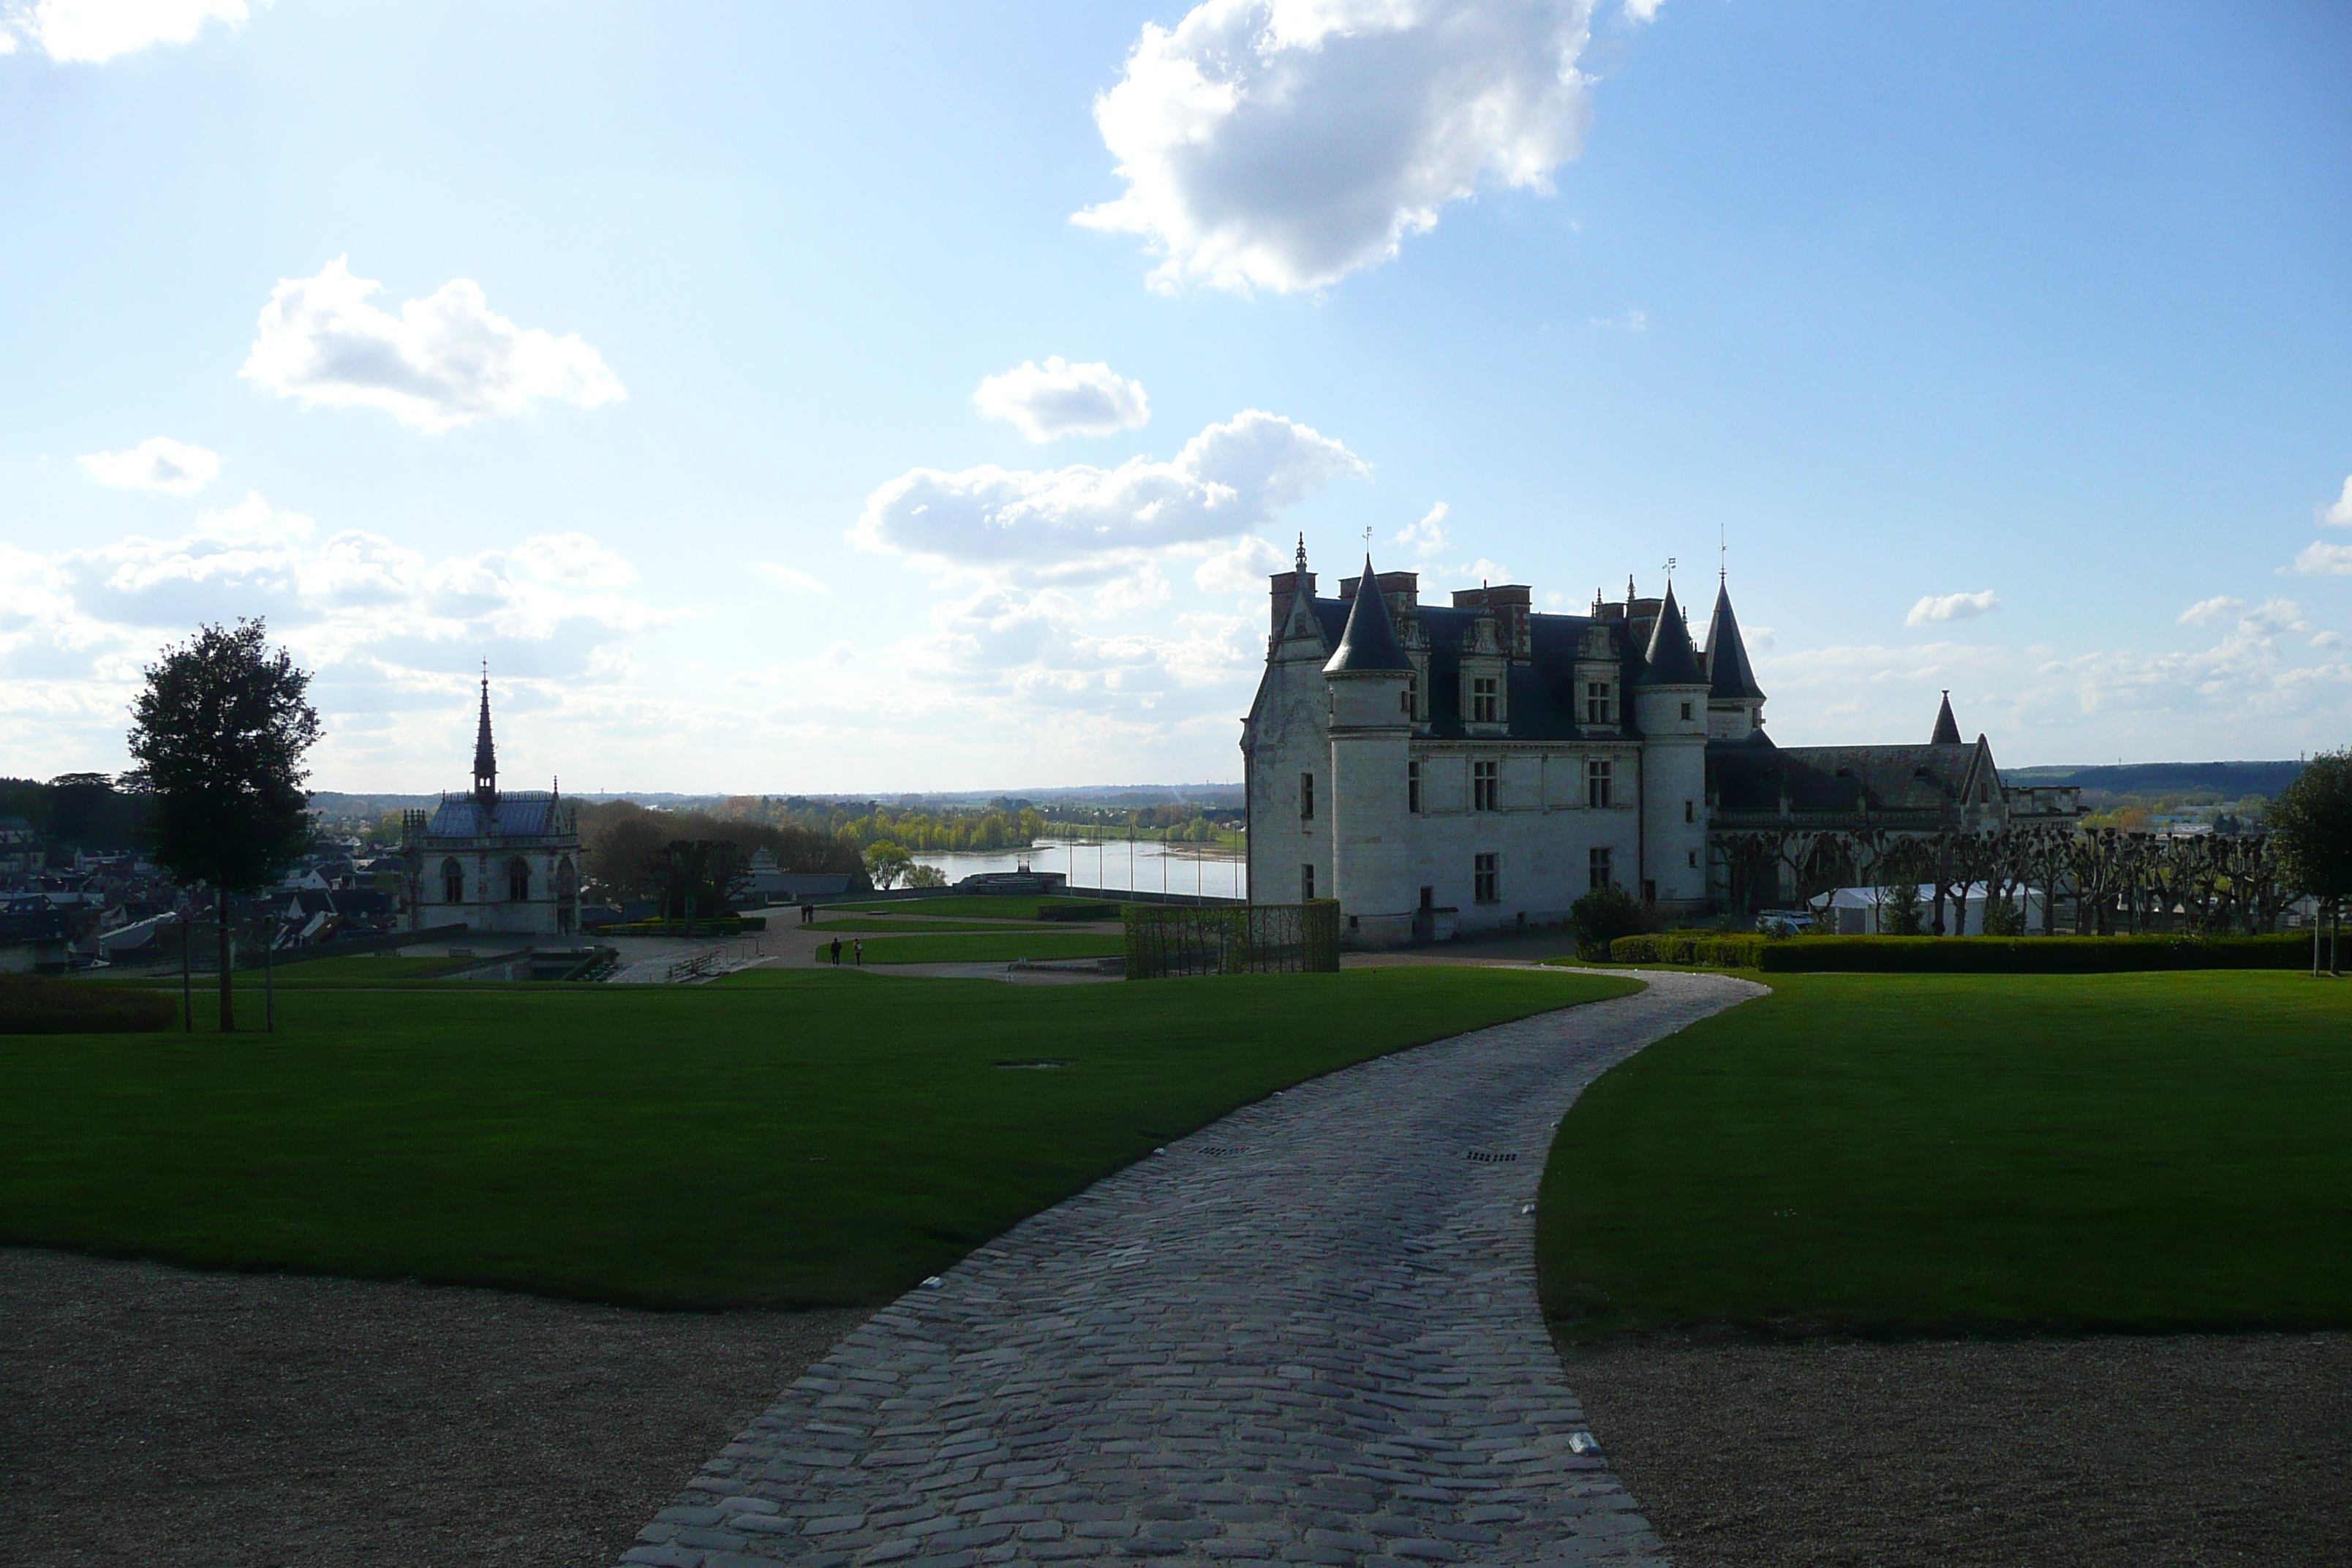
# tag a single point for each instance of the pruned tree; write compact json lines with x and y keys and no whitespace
{"x":219,"y":734}
{"x":700,"y":879}
{"x":2310,"y":822}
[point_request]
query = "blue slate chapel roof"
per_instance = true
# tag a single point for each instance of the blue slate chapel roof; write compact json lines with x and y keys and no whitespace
{"x":513,"y":816}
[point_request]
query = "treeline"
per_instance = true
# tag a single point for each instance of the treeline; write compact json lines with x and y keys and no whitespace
{"x":1001,"y":825}
{"x":625,"y":845}
{"x":79,"y":811}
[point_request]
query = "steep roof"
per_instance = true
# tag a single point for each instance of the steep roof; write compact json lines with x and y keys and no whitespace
{"x":1947,"y":729}
{"x":1368,"y":644}
{"x":1728,"y":674}
{"x":1669,"y":660}
{"x":511,"y":816}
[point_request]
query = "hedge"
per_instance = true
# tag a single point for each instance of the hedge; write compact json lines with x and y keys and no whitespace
{"x":31,"y":1006}
{"x":1968,"y":955}
{"x":1711,"y":949}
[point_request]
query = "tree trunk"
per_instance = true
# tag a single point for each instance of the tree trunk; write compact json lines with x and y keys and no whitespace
{"x":188,"y":979}
{"x":227,"y":994}
{"x":2335,"y":916}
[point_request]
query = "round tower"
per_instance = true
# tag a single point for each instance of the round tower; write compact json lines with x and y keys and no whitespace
{"x":1372,"y":733}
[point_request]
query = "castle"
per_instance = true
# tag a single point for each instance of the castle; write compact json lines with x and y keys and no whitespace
{"x":1479,"y":764}
{"x":496,"y":861}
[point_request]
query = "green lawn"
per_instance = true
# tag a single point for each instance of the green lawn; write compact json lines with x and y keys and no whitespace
{"x":803,"y":1138}
{"x":995,"y":948}
{"x":367,"y":969}
{"x":869,"y":923}
{"x":1911,"y":1154}
{"x":970,"y":906}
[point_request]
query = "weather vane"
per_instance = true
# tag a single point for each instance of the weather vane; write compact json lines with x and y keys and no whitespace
{"x":1670,"y":568}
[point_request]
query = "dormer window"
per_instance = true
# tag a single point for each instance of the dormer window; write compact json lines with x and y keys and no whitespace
{"x":1596,"y":702}
{"x":1483,"y":700}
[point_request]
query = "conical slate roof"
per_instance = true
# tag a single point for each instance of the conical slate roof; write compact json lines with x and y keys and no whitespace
{"x":1948,"y":730}
{"x":1728,"y":674}
{"x":1669,"y":660}
{"x":1369,"y":645}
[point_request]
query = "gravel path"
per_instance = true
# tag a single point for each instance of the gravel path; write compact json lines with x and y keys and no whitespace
{"x":155,"y":1417}
{"x":2207,"y":1450}
{"x":1310,"y":1331}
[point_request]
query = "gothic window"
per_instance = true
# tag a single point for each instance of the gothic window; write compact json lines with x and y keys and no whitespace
{"x":453,"y":882}
{"x":518,"y":881}
{"x":1596,"y":702}
{"x":1596,"y":783}
{"x":1306,"y":797}
{"x":1485,"y":787}
{"x":1598,"y":866}
{"x":1307,"y":884}
{"x":1412,"y":788}
{"x":1487,"y":878}
{"x":1482,"y":700}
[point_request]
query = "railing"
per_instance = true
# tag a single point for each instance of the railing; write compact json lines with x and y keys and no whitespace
{"x":1261,"y":939}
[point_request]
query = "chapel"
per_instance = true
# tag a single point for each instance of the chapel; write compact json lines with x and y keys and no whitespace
{"x":497,"y":861}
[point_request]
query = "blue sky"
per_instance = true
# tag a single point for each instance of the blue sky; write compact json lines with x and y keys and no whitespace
{"x":698,"y":368}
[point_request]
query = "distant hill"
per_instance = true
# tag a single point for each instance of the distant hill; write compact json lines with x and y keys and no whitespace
{"x":2227,"y":781}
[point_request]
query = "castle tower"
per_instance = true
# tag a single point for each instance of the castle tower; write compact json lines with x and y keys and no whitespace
{"x":1734,"y":703}
{"x":1371,"y":731}
{"x":1670,"y":705}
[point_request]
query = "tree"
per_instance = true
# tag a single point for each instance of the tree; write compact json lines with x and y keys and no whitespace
{"x":2311,"y":824}
{"x":927,"y":876}
{"x":219,"y":736}
{"x":885,"y":862}
{"x":700,"y":879}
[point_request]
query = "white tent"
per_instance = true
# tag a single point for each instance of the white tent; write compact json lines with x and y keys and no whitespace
{"x":1855,"y":911}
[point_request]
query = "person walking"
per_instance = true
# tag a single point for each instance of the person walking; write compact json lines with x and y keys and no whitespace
{"x":861,"y":952}
{"x":836,"y":952}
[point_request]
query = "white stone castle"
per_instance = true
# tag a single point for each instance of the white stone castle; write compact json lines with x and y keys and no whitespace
{"x":1480,"y":765}
{"x":497,"y":861}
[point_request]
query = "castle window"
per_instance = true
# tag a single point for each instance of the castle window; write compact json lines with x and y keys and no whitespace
{"x":1597,"y":866}
{"x":453,"y":883}
{"x":1485,"y":786}
{"x":519,"y":880}
{"x":1693,"y":858}
{"x":1596,"y":783}
{"x":1596,"y":702}
{"x":1487,"y":878}
{"x":1413,"y":788}
{"x":1306,"y":797}
{"x":1685,"y":712}
{"x":1482,"y":700}
{"x":1412,"y":697}
{"x":1307,"y":884}
{"x":1690,"y":811}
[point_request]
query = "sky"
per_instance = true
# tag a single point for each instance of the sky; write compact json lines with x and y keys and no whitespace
{"x":895,"y":397}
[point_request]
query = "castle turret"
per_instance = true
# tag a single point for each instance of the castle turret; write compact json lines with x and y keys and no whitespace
{"x":1372,"y":731}
{"x":1670,"y":705}
{"x":1947,"y":729}
{"x":1734,"y":703}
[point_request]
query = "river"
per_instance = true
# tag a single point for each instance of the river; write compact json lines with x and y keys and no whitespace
{"x":1144,"y":866}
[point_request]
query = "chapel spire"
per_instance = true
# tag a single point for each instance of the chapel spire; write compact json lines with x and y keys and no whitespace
{"x":486,"y":754}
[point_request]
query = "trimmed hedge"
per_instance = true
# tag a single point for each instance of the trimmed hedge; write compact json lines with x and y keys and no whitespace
{"x":1711,"y":949}
{"x":32,"y":1005}
{"x":1968,"y":955}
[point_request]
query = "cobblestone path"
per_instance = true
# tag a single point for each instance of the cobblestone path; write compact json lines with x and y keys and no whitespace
{"x":1307,"y":1334}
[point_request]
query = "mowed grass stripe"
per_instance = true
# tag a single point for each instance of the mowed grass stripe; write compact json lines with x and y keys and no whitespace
{"x":801,"y":1139}
{"x":1908,"y":1155}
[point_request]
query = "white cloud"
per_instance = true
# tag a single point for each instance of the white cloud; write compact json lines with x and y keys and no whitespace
{"x":1082,"y":521}
{"x":2219,"y":608}
{"x":1063,"y":399}
{"x":2330,"y":641}
{"x":2340,"y":514}
{"x":1427,"y":537}
{"x":789,"y":577}
{"x":1284,"y":144}
{"x":92,"y":32}
{"x":444,"y":361}
{"x":1635,"y":320}
{"x":1934,"y":608}
{"x":2319,"y":560}
{"x":158,"y":463}
{"x":2272,"y":618}
{"x":1242,"y":570}
{"x":1642,"y":11}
